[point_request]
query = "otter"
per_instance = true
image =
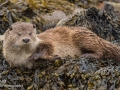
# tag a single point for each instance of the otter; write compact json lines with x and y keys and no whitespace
{"x":22,"y":45}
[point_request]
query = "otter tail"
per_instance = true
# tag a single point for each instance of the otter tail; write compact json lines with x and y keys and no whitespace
{"x":111,"y":51}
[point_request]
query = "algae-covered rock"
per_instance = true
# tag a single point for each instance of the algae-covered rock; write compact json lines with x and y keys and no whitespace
{"x":104,"y":23}
{"x":90,"y":3}
{"x":35,"y":11}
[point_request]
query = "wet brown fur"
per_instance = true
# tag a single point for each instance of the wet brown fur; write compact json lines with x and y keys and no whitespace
{"x":85,"y":43}
{"x":63,"y":41}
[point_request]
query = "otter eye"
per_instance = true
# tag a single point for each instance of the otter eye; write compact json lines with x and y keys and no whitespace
{"x":30,"y":34}
{"x":34,"y":26}
{"x":10,"y":28}
{"x":19,"y":34}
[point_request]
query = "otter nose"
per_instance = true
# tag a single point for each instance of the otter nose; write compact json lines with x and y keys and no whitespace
{"x":26,"y":40}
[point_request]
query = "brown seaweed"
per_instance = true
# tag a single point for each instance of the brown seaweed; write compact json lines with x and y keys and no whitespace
{"x":105,"y":22}
{"x":29,"y":11}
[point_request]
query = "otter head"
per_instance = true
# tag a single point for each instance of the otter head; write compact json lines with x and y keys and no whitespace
{"x":20,"y":42}
{"x":22,"y":34}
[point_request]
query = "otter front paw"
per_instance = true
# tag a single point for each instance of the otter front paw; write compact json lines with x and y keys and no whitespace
{"x":54,"y":57}
{"x":35,"y":56}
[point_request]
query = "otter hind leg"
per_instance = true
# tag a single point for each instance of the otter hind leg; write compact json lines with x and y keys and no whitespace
{"x":90,"y":53}
{"x":89,"y":44}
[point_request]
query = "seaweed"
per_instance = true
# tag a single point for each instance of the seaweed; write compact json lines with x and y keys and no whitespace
{"x":105,"y":22}
{"x":30,"y":11}
{"x":89,"y":3}
{"x":71,"y":73}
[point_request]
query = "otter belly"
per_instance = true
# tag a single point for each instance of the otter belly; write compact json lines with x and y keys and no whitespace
{"x":66,"y":49}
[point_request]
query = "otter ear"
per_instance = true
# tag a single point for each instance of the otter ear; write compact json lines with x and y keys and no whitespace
{"x":34,"y":26}
{"x":10,"y":28}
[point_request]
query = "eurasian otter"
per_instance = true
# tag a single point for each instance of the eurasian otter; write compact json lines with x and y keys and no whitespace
{"x":22,"y":44}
